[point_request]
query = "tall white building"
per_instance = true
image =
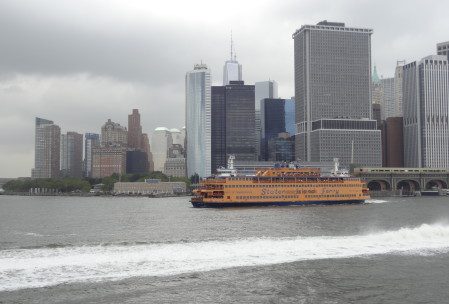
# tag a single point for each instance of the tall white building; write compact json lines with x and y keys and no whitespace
{"x":387,"y":102}
{"x":161,"y":141}
{"x":198,"y":121}
{"x":426,"y":112}
{"x":263,"y":89}
{"x":232,"y":69}
{"x":398,"y":75}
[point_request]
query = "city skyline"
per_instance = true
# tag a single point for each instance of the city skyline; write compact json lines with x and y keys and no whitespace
{"x":75,"y":76}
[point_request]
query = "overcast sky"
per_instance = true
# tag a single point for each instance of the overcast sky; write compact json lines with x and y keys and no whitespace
{"x":81,"y":62}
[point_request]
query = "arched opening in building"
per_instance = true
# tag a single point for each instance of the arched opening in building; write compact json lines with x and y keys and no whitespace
{"x":378,"y":185}
{"x":408,"y":186}
{"x":436,"y":184}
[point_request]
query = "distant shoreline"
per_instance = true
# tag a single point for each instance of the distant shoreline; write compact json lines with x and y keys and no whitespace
{"x":91,"y":195}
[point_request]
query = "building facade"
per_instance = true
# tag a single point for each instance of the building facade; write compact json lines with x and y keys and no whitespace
{"x":136,"y":161}
{"x":178,"y":136}
{"x":91,"y":140}
{"x":333,"y":82}
{"x":272,"y":118}
{"x":134,"y":130}
{"x":443,"y":49}
{"x":388,"y":107}
{"x":161,"y":141}
{"x":150,"y":187}
{"x":393,"y":142}
{"x":262,"y":89}
{"x":376,"y":88}
{"x":108,"y":160}
{"x":113,"y":134}
{"x":233,"y":123}
{"x":71,"y":155}
{"x":175,"y":167}
{"x":281,"y":148}
{"x":46,"y":149}
{"x":426,"y":113}
{"x":377,"y":113}
{"x":290,"y":125}
{"x":198,"y":121}
{"x":146,"y":148}
{"x":398,"y":80}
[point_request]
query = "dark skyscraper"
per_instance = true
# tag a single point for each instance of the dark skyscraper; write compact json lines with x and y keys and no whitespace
{"x":134,"y":130}
{"x":218,"y":127}
{"x":272,"y":117}
{"x":136,"y":162}
{"x":233,"y":123}
{"x":281,"y":148}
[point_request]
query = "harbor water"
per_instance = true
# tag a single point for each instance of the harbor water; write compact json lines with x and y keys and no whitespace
{"x":161,"y":250}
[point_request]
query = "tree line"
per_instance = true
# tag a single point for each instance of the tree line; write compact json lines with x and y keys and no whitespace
{"x":67,"y":185}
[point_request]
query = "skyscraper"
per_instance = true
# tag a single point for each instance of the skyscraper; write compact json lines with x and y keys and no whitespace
{"x":263,"y":89}
{"x":426,"y":112}
{"x":332,"y":93}
{"x":71,"y":155}
{"x":218,"y":127}
{"x":240,"y":121}
{"x":134,"y":130}
{"x":233,"y":123}
{"x":91,"y":140}
{"x":393,"y":142}
{"x":136,"y":161}
{"x":290,"y":125}
{"x":272,"y":117}
{"x":113,"y":134}
{"x":161,"y":141}
{"x":146,"y":148}
{"x":281,"y":148}
{"x":443,"y":49}
{"x":46,"y":149}
{"x":388,"y":108}
{"x":232,"y":69}
{"x":198,"y":121}
{"x":376,"y":88}
{"x":398,"y":79}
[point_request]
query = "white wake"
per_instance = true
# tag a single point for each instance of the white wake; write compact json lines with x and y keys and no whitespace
{"x":26,"y":268}
{"x":375,"y":201}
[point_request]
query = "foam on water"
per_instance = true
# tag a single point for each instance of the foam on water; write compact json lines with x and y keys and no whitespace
{"x":27,"y":268}
{"x":375,"y":201}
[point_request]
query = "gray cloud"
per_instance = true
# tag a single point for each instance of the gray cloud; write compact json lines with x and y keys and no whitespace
{"x":81,"y":62}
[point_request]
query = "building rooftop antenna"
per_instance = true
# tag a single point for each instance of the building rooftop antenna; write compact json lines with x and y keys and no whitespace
{"x":231,"y":45}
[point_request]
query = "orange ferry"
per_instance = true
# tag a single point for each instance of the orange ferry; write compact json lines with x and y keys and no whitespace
{"x":279,"y":186}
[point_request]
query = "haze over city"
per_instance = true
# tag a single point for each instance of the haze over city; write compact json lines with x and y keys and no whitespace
{"x":80,"y":63}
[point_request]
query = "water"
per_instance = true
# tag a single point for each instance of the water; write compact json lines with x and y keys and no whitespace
{"x":134,"y":250}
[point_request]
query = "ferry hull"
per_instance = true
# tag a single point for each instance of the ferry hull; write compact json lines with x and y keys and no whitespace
{"x":198,"y":204}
